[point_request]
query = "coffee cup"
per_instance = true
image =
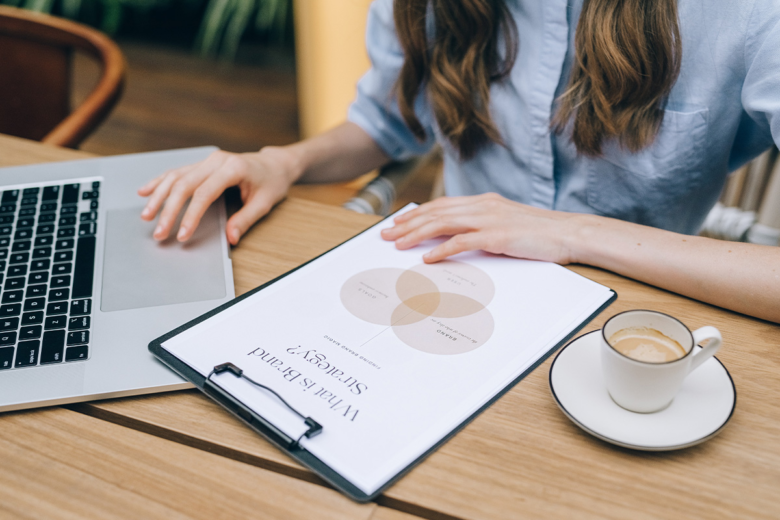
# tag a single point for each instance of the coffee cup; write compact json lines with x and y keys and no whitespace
{"x":646,"y":356}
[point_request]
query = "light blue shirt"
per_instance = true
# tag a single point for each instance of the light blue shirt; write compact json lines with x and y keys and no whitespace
{"x":723,"y":111}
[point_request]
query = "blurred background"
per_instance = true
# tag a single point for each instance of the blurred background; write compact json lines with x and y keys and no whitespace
{"x":243,"y":74}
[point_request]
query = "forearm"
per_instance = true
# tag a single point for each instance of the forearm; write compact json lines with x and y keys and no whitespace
{"x":741,"y":277}
{"x":340,"y":154}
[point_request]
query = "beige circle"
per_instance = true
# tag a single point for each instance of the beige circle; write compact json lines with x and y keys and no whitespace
{"x":412,"y":283}
{"x":448,"y":336}
{"x":459,"y":278}
{"x":371,"y":296}
{"x":416,"y":308}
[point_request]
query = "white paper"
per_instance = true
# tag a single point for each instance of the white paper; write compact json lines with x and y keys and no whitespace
{"x":388,"y":354}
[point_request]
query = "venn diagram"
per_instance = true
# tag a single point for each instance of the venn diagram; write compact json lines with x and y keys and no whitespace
{"x":435,"y":308}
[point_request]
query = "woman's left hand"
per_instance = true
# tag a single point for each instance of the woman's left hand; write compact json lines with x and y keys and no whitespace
{"x":488,"y":222}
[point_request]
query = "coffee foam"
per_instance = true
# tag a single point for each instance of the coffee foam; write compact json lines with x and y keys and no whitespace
{"x":646,"y":344}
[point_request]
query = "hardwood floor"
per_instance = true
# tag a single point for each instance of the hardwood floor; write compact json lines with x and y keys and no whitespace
{"x":174,"y":99}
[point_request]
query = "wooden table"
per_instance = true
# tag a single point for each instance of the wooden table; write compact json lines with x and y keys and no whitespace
{"x":180,"y":456}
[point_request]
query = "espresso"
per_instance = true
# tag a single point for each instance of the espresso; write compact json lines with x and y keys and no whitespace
{"x":646,"y":344}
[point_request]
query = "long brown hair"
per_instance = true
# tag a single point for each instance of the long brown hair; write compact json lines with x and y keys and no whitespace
{"x":627,"y":59}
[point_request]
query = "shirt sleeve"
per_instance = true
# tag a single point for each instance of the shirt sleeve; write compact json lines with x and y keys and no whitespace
{"x":761,"y":89}
{"x":375,"y":108}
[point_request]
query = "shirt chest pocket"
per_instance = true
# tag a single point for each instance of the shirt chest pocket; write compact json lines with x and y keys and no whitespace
{"x":654,"y":184}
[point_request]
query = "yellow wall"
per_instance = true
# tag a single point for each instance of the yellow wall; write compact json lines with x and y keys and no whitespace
{"x":330,"y":58}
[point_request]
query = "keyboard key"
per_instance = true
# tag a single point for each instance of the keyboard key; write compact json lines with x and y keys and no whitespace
{"x":61,"y":281}
{"x":27,"y":212}
{"x":50,"y":206}
{"x":5,"y":230}
{"x":95,"y":185}
{"x":56,"y":308}
{"x":14,"y":283}
{"x":70,"y":193}
{"x":22,"y":245}
{"x":7,"y":338}
{"x":15,"y":309}
{"x":39,"y":265}
{"x":33,"y":332}
{"x":7,"y":219}
{"x":3,"y":254}
{"x":7,"y":324}
{"x":42,"y":252}
{"x":13,"y":296}
{"x":78,"y":323}
{"x":19,"y":258}
{"x":78,"y":338}
{"x":57,"y":322}
{"x":23,"y":234}
{"x":88,"y":195}
{"x":38,"y":277}
{"x":32,"y":318}
{"x":45,"y":240}
{"x":63,"y":256}
{"x":29,"y":201}
{"x":25,"y":222}
{"x":90,"y":228}
{"x":93,"y":204}
{"x":67,"y":221}
{"x":45,"y":229}
{"x":69,"y":210}
{"x":27,"y":353}
{"x":47,"y":218}
{"x":34,"y":304}
{"x":85,"y":265}
{"x":10,"y":196}
{"x":77,"y":308}
{"x":53,"y":345}
{"x":36,"y":291}
{"x":31,"y":192}
{"x":57,"y":295}
{"x":7,"y":208}
{"x":66,"y":232}
{"x":51,"y":193}
{"x":17,"y":270}
{"x":5,"y":242}
{"x":7,"y":357}
{"x":66,"y":243}
{"x":2,"y":265}
{"x":76,"y":353}
{"x":88,"y":216}
{"x":62,"y":268}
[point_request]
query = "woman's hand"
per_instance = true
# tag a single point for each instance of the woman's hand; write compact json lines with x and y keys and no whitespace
{"x":263,"y":178}
{"x":488,"y":222}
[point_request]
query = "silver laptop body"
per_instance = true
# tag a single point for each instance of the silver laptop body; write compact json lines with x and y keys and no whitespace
{"x":140,"y":289}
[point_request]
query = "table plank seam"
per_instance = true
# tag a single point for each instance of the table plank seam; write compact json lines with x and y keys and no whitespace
{"x":239,"y":456}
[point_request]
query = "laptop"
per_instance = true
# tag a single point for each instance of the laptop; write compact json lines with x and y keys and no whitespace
{"x":84,"y":287}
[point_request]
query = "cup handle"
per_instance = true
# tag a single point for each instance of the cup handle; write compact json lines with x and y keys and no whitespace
{"x":715,"y":341}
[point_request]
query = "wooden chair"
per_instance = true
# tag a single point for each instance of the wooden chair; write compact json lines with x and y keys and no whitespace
{"x":35,"y":77}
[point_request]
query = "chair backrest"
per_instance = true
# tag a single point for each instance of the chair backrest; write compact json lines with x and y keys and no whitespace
{"x":35,"y":77}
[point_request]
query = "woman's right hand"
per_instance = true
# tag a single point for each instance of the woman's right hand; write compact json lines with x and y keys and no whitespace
{"x":263,"y":178}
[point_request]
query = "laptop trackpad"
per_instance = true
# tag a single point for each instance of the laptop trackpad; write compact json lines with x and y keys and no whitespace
{"x":140,"y":272}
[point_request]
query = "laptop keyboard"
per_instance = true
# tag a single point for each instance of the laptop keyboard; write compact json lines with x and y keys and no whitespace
{"x":47,"y":260}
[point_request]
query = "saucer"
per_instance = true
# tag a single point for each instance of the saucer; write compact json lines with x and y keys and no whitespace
{"x":701,"y":409}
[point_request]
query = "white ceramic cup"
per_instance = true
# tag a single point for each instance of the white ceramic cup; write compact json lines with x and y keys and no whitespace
{"x":645,"y":387}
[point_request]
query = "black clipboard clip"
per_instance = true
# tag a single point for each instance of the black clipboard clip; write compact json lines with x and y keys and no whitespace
{"x":212,"y":388}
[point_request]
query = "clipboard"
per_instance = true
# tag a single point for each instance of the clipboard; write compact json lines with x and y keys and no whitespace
{"x":281,"y":440}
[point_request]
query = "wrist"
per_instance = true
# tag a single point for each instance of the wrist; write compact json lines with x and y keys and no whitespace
{"x":582,"y":243}
{"x":287,"y":159}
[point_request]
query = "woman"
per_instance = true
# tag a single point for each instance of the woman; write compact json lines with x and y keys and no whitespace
{"x":606,"y":128}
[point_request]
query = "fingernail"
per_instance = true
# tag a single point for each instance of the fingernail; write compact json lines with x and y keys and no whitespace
{"x":234,"y":235}
{"x":182,"y":233}
{"x":145,"y":212}
{"x":427,"y":255}
{"x":158,"y":230}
